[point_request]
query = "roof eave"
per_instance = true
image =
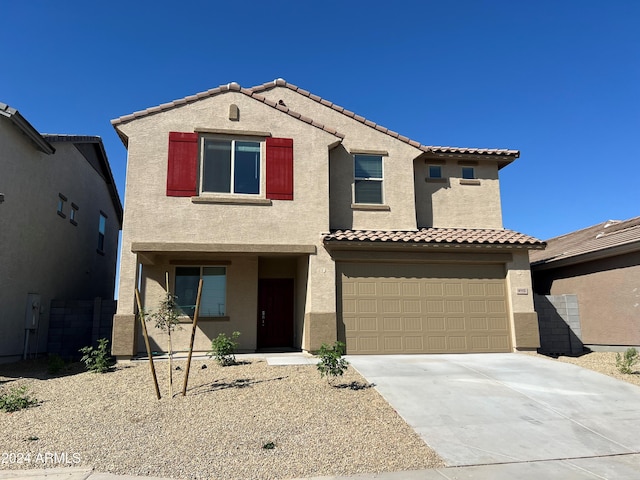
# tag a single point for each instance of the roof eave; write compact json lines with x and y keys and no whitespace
{"x":559,"y":261}
{"x":26,"y":128}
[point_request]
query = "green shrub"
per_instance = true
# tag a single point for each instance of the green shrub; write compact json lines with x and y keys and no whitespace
{"x":625,"y":363}
{"x":223,"y":349}
{"x":331,"y":363}
{"x":55,"y":364}
{"x":16,"y":399}
{"x":97,"y":360}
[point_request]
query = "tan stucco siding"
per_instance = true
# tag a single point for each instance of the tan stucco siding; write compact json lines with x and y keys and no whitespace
{"x":525,"y":326}
{"x":41,"y":252}
{"x":453,"y":203}
{"x":456,"y":205}
{"x":397,"y":167}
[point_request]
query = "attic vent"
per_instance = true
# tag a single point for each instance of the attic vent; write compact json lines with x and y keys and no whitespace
{"x":234,"y":113}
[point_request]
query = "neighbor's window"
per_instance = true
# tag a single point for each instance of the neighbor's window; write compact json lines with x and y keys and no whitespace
{"x":435,"y":171}
{"x":468,"y":173}
{"x":214,"y":290}
{"x":102,"y":227}
{"x":61,"y":201}
{"x":230,"y":166}
{"x":368,"y":179}
{"x":73,"y":215}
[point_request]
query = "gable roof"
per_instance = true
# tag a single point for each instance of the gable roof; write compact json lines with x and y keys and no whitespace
{"x":432,"y":235}
{"x":504,"y":156}
{"x":96,"y":155}
{"x":601,"y":240}
{"x":231,"y":87}
{"x":26,"y":128}
{"x":509,"y":154}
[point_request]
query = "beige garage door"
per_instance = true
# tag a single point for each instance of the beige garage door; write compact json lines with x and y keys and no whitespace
{"x":388,"y":308}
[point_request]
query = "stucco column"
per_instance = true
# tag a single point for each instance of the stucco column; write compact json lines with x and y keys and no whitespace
{"x":525,"y":332}
{"x":320,"y":313}
{"x":123,"y":344}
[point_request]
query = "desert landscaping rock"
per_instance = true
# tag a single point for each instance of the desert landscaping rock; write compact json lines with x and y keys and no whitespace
{"x":114,"y":423}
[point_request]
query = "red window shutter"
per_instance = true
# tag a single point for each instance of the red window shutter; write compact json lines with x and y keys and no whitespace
{"x":182,"y":169}
{"x":280,"y":168}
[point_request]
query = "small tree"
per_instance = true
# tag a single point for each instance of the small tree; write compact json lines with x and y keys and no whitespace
{"x":626,"y":363}
{"x":331,"y":363}
{"x":166,"y":319}
{"x":223,"y":349}
{"x":97,"y":360}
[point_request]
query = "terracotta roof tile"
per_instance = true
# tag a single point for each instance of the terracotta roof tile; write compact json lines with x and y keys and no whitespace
{"x":605,"y":235}
{"x":433,"y":235}
{"x":425,"y":148}
{"x":221,"y":89}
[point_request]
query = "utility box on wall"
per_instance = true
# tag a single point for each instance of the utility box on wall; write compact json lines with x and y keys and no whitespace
{"x":32,"y":311}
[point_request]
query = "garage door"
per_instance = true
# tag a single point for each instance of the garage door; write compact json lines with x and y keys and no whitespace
{"x":389,"y":308}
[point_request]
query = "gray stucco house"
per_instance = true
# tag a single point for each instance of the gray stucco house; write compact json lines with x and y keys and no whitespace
{"x":309,"y":223}
{"x":60,"y":216}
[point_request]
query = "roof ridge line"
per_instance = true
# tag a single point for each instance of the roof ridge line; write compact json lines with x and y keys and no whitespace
{"x":234,"y":87}
{"x":280,"y":82}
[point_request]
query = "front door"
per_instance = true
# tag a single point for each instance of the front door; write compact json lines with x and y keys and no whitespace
{"x":275,"y":312}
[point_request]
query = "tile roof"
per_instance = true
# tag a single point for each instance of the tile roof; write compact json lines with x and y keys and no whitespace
{"x":231,"y":87}
{"x":425,"y":148}
{"x":254,"y":93}
{"x":598,"y":238}
{"x":432,"y":235}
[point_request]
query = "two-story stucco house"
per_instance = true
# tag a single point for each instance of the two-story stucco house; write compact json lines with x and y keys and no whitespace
{"x":60,"y":216}
{"x":309,"y":223}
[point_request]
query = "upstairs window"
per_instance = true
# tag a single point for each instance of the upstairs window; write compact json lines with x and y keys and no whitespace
{"x":214,"y":290}
{"x":62,"y":200}
{"x":435,"y":171}
{"x":102,"y":228}
{"x":468,"y":173}
{"x":368,"y":179}
{"x":230,"y":166}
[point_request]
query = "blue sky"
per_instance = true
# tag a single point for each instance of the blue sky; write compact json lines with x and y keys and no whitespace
{"x":557,"y":80}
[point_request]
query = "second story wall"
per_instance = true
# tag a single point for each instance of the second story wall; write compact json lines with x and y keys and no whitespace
{"x":452,"y":201}
{"x":152,"y":216}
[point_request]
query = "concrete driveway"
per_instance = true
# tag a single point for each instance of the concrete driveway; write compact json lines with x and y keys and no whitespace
{"x":480,"y":409}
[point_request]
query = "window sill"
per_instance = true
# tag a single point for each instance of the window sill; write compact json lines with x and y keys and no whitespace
{"x":469,"y":182}
{"x":61,"y":214}
{"x":185,"y":319}
{"x":100,"y":252}
{"x":370,"y":207}
{"x":73,"y":222}
{"x":231,"y":200}
{"x":436,"y":180}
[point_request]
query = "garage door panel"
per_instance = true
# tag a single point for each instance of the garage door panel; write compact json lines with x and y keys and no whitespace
{"x":412,"y":324}
{"x":392,"y":324}
{"x":424,"y":308}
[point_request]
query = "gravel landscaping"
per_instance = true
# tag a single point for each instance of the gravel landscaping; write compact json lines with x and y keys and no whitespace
{"x":602,"y":362}
{"x":114,"y":423}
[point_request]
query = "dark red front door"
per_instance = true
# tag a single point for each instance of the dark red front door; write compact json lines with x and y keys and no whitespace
{"x":275,"y":312}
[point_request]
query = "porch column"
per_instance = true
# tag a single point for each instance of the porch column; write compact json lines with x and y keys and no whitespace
{"x":320,"y":313}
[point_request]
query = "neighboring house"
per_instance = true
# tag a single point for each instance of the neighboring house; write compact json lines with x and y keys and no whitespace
{"x":59,"y":221}
{"x":601,"y":266}
{"x":308,"y":223}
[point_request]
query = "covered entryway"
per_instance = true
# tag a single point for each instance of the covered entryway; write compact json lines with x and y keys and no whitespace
{"x":391,"y":308}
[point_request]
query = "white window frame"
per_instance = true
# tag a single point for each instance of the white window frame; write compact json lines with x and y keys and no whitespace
{"x":371,"y":179}
{"x":232,"y":139}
